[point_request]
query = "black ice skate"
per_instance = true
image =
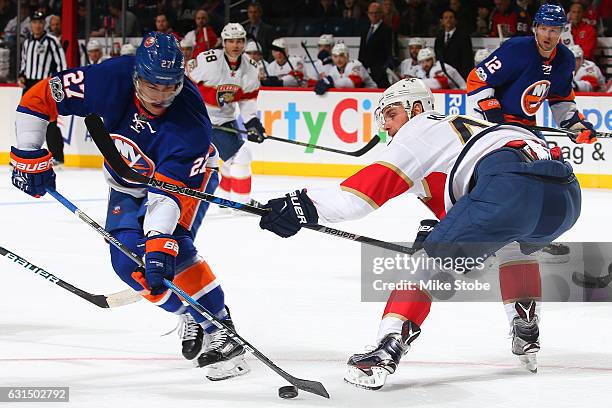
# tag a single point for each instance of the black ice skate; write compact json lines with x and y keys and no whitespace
{"x":192,"y":335}
{"x":526,"y":335}
{"x":223,"y":358}
{"x":370,"y":370}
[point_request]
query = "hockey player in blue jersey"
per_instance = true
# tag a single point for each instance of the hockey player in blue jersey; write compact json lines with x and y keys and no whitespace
{"x":160,"y":125}
{"x":511,"y":84}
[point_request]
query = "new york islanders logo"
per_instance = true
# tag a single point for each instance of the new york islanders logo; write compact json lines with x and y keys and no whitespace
{"x":533,"y":96}
{"x":227,"y":93}
{"x":149,"y":41}
{"x":133,"y":156}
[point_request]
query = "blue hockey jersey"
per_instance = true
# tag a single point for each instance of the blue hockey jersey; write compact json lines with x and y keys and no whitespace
{"x":521,"y":80}
{"x":174,"y":146}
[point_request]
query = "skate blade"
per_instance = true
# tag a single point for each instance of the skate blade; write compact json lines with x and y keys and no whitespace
{"x":227,"y":369}
{"x":529,"y":362}
{"x":360,"y":379}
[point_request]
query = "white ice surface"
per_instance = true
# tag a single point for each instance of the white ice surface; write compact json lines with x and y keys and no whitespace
{"x":297,"y":300}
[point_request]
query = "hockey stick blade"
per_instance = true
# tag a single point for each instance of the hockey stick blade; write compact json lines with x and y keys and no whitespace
{"x":313,"y":387}
{"x":112,"y":156}
{"x":357,"y":153}
{"x":122,"y":298}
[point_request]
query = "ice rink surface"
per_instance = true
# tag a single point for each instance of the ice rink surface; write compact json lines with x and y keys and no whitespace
{"x":297,"y":300}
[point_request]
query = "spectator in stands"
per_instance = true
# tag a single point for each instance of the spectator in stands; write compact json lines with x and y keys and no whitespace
{"x":409,"y":67}
{"x":203,"y":36}
{"x":55,"y":26}
{"x":11,"y":27}
{"x":588,"y":76}
{"x":391,"y":16}
{"x":94,"y":52}
{"x":483,"y":12}
{"x":523,"y":18}
{"x":162,"y":24}
{"x":258,"y":30}
{"x":375,"y":46}
{"x":454,"y":46}
{"x":438,"y":75}
{"x":583,"y":33}
{"x":503,"y":19}
{"x":7,"y":12}
{"x":417,"y":19}
{"x":132,"y":28}
{"x":82,"y":20}
{"x":343,"y":73}
{"x":285,"y":70}
{"x":464,"y":15}
{"x":351,"y":10}
{"x":327,"y":9}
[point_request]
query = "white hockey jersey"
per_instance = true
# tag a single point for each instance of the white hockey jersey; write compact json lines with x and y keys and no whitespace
{"x":436,"y":79}
{"x":409,"y":68}
{"x":311,"y":74}
{"x":420,"y":159}
{"x":284,"y":72}
{"x":223,"y":87}
{"x":589,"y":78}
{"x":354,"y":75}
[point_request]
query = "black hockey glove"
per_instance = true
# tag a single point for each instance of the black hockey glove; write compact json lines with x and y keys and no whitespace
{"x":255,"y":131}
{"x":323,"y":85}
{"x":272,"y":81}
{"x":289,"y":213}
{"x":325,"y":57}
{"x":424,"y":230}
{"x":587,"y":133}
{"x":491,"y":110}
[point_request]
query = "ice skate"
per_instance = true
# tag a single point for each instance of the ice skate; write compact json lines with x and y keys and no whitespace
{"x":192,"y":336}
{"x":526,"y":335}
{"x":370,"y":370}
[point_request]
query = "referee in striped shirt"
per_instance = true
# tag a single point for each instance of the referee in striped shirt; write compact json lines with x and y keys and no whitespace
{"x":41,"y":57}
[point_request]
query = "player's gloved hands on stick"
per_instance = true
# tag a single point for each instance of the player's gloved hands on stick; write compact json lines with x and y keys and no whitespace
{"x":491,"y":110}
{"x":323,"y":85}
{"x":289,"y":213}
{"x":256,"y":132}
{"x":32,"y":171}
{"x":424,"y":230}
{"x":160,"y":261}
{"x":272,"y":81}
{"x":578,"y":122}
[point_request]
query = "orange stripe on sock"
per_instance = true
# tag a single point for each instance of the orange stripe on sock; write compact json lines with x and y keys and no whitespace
{"x":195,"y":278}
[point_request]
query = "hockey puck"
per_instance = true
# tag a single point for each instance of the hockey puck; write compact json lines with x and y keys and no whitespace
{"x":287,"y":392}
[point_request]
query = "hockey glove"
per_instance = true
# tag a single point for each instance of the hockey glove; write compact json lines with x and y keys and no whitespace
{"x":288,"y":214}
{"x":491,"y":110}
{"x":32,"y":171}
{"x":160,"y":261}
{"x":325,"y":57}
{"x":579,"y":123}
{"x":323,"y":85}
{"x":424,"y":230}
{"x":272,"y":81}
{"x":256,"y":132}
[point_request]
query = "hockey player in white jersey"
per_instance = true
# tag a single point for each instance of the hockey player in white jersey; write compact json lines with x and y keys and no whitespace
{"x":410,"y":67}
{"x":494,"y":188}
{"x":343,"y":73}
{"x":324,"y":59}
{"x":253,"y":50}
{"x":587,"y":76}
{"x":228,"y":79}
{"x":434,"y":75}
{"x":286,"y":70}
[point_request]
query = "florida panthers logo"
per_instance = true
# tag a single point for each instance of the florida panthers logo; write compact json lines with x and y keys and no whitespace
{"x":227,"y":93}
{"x":533,"y":97}
{"x":133,"y":156}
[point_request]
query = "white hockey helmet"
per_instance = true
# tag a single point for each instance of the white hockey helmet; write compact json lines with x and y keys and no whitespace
{"x":405,"y":92}
{"x":326,"y":39}
{"x":233,"y":31}
{"x":340,"y":49}
{"x":481,"y":55}
{"x":425,"y":54}
{"x":127,"y":49}
{"x":280,"y":44}
{"x":576,"y":50}
{"x":187,"y":42}
{"x":416,"y":41}
{"x":251,"y":46}
{"x":94,"y":45}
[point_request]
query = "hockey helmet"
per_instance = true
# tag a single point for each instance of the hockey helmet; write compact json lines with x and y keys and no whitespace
{"x":577,"y":51}
{"x":127,"y":49}
{"x":251,"y":46}
{"x":425,"y":54}
{"x":416,"y":41}
{"x":233,"y":31}
{"x":340,"y":49}
{"x":326,"y":39}
{"x":550,"y":15}
{"x":481,"y":55}
{"x":406,"y":92}
{"x":280,"y":44}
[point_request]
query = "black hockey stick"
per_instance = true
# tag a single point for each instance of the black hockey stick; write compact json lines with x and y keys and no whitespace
{"x":313,"y":387}
{"x":548,"y":131}
{"x":360,"y":152}
{"x":104,"y":301}
{"x":303,"y":43}
{"x":107,"y":147}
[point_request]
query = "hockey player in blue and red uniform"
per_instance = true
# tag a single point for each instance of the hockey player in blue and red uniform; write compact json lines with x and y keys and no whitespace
{"x":160,"y":125}
{"x":512,"y":83}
